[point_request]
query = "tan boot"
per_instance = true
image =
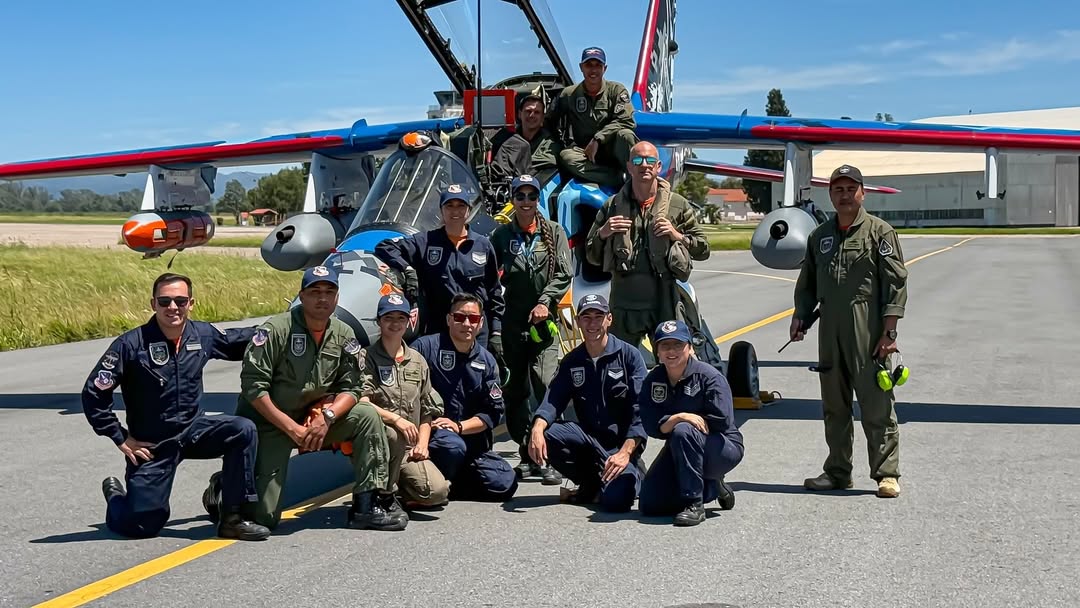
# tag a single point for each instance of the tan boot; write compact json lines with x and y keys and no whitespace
{"x":888,"y":487}
{"x":823,"y":483}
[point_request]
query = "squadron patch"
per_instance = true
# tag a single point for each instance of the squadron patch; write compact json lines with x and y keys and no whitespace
{"x":260,"y":337}
{"x":447,"y":360}
{"x":395,"y":299}
{"x":434,"y":255}
{"x":668,"y":327}
{"x":658,"y":392}
{"x":159,"y":353}
{"x":298,"y":344}
{"x":577,"y":376}
{"x":496,"y":391}
{"x":515,"y":247}
{"x":479,"y":257}
{"x":352,"y":346}
{"x":825,"y":246}
{"x":320,"y":271}
{"x":386,"y":375}
{"x":624,"y":97}
{"x":104,"y":380}
{"x":582,"y":104}
{"x":619,"y":108}
{"x":885,"y":248}
{"x":109,"y":359}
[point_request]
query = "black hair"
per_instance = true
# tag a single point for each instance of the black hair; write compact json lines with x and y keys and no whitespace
{"x":465,"y":298}
{"x":169,"y":277}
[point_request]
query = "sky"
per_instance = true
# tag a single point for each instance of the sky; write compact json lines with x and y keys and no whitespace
{"x":84,"y":77}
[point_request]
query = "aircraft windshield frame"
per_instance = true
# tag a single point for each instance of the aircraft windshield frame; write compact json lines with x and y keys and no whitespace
{"x":407,"y":188}
{"x":508,"y":43}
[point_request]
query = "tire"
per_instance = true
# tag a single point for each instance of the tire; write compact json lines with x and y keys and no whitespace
{"x":742,"y":373}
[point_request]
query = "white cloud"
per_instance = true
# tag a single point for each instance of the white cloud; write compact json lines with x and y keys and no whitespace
{"x":1061,"y":46}
{"x":892,"y":47}
{"x":759,"y":79}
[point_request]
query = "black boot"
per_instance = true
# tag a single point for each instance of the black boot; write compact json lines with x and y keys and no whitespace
{"x":111,"y":487}
{"x":389,"y":502}
{"x":726,"y":497}
{"x":235,"y":526}
{"x":551,"y":476}
{"x":367,"y":514}
{"x":692,"y":515}
{"x":211,"y":497}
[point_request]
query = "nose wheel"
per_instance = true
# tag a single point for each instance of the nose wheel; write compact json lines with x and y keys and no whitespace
{"x":742,"y":371}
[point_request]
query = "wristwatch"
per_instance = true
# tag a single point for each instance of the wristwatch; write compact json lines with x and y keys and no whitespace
{"x":891,"y":334}
{"x":328,"y":414}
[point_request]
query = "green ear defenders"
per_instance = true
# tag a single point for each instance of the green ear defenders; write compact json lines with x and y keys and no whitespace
{"x":886,"y":379}
{"x":549,"y":328}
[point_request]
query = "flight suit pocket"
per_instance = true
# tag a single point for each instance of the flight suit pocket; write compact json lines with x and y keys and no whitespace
{"x":858,"y":263}
{"x":328,"y":366}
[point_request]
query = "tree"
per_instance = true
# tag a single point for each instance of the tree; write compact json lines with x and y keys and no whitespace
{"x":759,"y":193}
{"x":282,"y":191}
{"x":695,"y":187}
{"x":234,"y":200}
{"x":731,"y":182}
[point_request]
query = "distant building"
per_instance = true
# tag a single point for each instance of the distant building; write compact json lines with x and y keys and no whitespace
{"x":731,"y":205}
{"x":259,"y":217}
{"x":946,"y":189}
{"x":451,"y":105}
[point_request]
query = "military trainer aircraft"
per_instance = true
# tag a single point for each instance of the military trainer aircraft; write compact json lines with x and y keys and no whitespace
{"x":350,"y":205}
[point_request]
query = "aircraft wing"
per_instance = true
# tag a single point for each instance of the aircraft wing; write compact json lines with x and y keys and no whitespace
{"x":773,"y":132}
{"x":766,"y":175}
{"x":289,"y":148}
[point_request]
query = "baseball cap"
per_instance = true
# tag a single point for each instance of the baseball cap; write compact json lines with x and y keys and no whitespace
{"x":671,"y":330}
{"x":594,"y":52}
{"x":524,"y":180}
{"x":393,"y":302}
{"x":846,"y":171}
{"x":592,"y":302}
{"x":319,"y":274}
{"x":454,"y":192}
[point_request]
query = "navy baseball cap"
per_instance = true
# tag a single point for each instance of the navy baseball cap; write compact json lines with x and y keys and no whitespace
{"x":592,"y":302}
{"x":319,"y":274}
{"x":672,"y":330}
{"x":393,"y":302}
{"x":453,"y":192}
{"x":594,"y":52}
{"x":524,"y":180}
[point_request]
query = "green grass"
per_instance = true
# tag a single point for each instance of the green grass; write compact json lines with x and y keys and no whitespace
{"x":236,"y":241}
{"x":733,"y":241}
{"x":55,"y":295}
{"x":64,"y":218}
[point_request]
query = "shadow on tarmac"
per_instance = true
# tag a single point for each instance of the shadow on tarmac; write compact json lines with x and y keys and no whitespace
{"x":68,"y":404}
{"x":810,"y":409}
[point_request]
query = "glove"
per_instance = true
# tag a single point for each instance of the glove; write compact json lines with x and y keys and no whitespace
{"x":495,"y":346}
{"x":411,"y":286}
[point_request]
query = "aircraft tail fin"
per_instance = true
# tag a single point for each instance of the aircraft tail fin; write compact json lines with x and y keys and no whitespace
{"x":653,"y":78}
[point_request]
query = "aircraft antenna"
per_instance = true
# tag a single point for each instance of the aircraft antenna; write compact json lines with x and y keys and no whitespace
{"x":485,"y":184}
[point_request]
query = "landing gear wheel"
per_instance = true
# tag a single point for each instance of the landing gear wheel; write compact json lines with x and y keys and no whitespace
{"x":742,"y":372}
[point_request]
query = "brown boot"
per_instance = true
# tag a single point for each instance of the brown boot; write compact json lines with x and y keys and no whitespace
{"x":823,"y":483}
{"x":888,"y":487}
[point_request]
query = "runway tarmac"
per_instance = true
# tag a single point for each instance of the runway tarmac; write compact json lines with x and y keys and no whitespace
{"x":990,"y":421}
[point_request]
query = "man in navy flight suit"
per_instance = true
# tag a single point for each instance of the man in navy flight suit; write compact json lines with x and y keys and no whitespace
{"x":465,"y":376}
{"x":687,"y":403}
{"x":159,"y":367}
{"x":602,"y":451}
{"x":443,"y":262}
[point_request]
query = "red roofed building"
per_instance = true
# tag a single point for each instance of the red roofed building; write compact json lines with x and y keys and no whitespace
{"x":733,"y":206}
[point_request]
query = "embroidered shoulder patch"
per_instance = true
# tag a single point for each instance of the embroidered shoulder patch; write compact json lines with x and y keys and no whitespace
{"x":885,"y":248}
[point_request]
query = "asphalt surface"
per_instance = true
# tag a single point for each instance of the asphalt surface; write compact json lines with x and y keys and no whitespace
{"x":987,"y":517}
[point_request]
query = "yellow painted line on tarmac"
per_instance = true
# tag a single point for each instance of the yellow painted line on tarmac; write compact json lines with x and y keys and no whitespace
{"x":791,"y":311}
{"x":169,"y":561}
{"x":749,"y":274}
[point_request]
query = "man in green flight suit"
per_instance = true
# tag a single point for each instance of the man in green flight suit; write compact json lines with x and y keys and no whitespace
{"x":300,"y":384}
{"x":534,"y":259}
{"x":854,"y":272}
{"x":530,"y":148}
{"x":646,"y":236}
{"x":594,"y":121}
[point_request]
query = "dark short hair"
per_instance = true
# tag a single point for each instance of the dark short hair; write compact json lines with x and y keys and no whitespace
{"x":465,"y":298}
{"x":169,"y":277}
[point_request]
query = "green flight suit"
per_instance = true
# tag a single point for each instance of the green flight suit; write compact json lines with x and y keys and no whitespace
{"x":643,"y":289}
{"x":284,"y":362}
{"x":530,"y":276}
{"x":404,"y":388}
{"x":576,"y":118}
{"x":857,"y":277}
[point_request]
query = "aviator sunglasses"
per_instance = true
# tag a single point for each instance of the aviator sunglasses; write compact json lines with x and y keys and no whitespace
{"x":164,"y":301}
{"x":459,"y":317}
{"x":645,"y":160}
{"x":532,"y":196}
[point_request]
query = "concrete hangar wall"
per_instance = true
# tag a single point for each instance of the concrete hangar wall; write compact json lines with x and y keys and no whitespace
{"x":947,"y":189}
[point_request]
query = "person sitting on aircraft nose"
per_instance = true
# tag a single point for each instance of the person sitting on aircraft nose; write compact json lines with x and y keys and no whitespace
{"x":602,"y":451}
{"x":594,"y":119}
{"x":397,"y":381}
{"x":300,"y":383}
{"x":536,"y":272}
{"x":687,"y":403}
{"x":444,"y":262}
{"x":531,"y":149}
{"x":465,"y":376}
{"x":646,"y":236}
{"x":159,"y":366}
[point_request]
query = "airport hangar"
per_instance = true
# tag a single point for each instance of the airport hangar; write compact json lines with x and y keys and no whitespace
{"x":949,"y":189}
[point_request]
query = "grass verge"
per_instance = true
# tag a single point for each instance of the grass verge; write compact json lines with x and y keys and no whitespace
{"x":55,"y":295}
{"x":64,"y":218}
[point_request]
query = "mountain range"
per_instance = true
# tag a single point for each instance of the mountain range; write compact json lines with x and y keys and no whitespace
{"x":113,"y":184}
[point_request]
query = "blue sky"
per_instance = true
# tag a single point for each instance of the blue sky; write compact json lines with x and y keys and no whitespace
{"x":84,"y":77}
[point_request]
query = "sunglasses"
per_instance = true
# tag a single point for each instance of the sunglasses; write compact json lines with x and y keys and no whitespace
{"x":460,"y":317}
{"x":532,"y":196}
{"x":645,"y":160}
{"x":164,"y":301}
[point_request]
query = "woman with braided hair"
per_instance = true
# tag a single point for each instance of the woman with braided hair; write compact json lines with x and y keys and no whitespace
{"x":535,"y":271}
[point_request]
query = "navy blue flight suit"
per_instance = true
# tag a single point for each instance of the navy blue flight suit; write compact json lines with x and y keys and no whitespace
{"x":444,"y":271}
{"x":691,"y":463}
{"x":162,"y":386}
{"x":469,"y":386}
{"x":605,"y":398}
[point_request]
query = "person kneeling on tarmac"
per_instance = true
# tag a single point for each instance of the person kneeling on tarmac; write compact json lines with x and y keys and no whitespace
{"x":687,"y":403}
{"x":602,"y":451}
{"x":397,"y":381}
{"x":466,"y":377}
{"x":295,"y":361}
